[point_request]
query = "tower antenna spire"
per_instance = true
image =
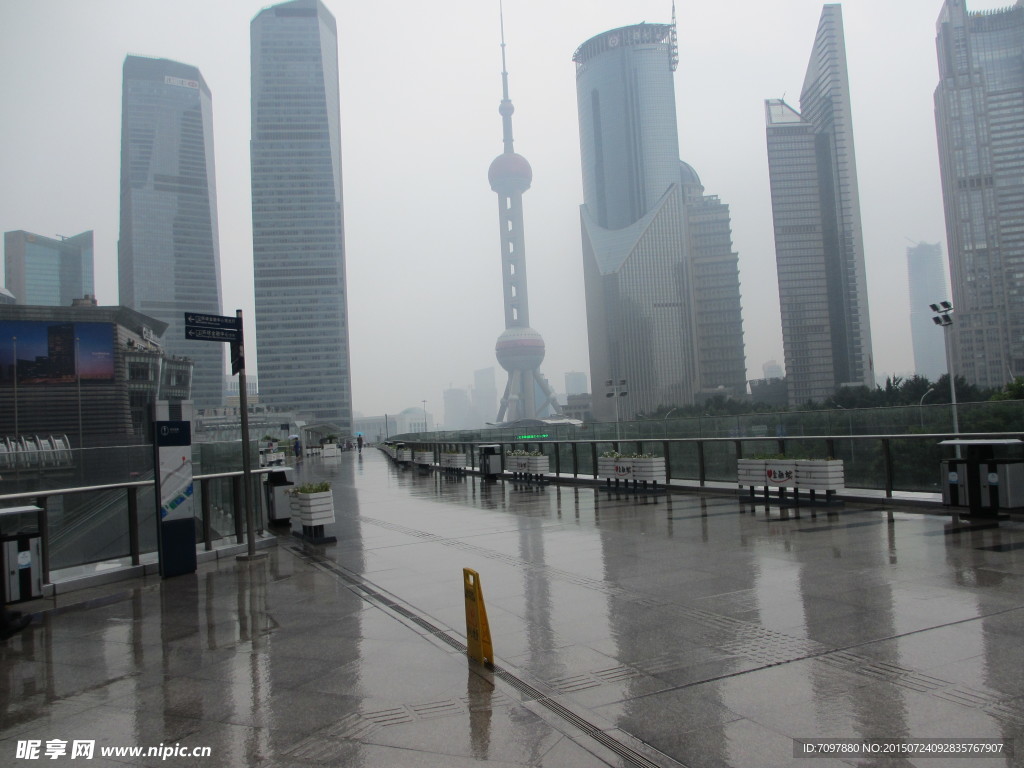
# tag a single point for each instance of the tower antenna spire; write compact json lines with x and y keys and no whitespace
{"x":673,"y":47}
{"x":506,"y":109}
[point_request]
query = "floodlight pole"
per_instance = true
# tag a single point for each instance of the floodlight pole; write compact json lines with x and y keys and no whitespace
{"x":944,"y":318}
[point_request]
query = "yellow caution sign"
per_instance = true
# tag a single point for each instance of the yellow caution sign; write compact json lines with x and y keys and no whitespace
{"x":478,"y":631}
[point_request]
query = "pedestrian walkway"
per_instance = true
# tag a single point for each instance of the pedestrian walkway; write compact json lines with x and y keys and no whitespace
{"x":651,"y":630}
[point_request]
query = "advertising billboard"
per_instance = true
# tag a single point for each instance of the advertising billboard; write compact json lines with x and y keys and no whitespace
{"x":51,"y":352}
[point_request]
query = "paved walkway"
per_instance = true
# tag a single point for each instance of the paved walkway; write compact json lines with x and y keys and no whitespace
{"x":628,"y":631}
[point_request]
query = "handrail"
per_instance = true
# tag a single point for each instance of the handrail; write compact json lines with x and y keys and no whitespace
{"x":126,"y":484}
{"x":131,"y":488}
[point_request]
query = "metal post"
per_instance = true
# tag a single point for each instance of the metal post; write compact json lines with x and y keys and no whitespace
{"x":243,"y":406}
{"x":133,"y":525}
{"x":952,"y":382}
{"x":44,"y":536}
{"x":204,"y":489}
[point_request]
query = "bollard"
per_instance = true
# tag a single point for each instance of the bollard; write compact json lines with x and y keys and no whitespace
{"x":478,"y":632}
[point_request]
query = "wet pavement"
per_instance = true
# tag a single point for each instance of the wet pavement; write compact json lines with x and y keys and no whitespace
{"x":628,"y":631}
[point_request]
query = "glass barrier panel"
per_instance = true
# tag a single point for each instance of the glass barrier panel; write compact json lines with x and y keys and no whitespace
{"x":916,"y":464}
{"x":720,"y":461}
{"x":683,"y":460}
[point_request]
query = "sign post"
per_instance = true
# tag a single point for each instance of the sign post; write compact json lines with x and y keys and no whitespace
{"x":176,"y":528}
{"x":229,"y":329}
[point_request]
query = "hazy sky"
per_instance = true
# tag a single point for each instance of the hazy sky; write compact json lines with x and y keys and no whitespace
{"x":420,"y":87}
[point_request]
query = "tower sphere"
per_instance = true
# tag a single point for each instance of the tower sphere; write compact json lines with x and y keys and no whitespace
{"x":520,"y":349}
{"x":510,"y":173}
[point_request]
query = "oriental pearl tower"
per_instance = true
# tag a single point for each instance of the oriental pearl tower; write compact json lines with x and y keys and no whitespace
{"x":520,"y":349}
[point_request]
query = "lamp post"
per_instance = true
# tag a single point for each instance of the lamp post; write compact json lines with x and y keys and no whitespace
{"x":920,"y":405}
{"x":944,"y":319}
{"x":78,"y":386}
{"x":14,"y":347}
{"x":614,"y":391}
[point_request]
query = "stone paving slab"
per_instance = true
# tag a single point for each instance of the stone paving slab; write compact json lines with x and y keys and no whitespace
{"x":660,"y":630}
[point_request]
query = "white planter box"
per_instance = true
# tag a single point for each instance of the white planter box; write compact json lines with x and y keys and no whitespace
{"x":404,"y":455}
{"x":649,"y":470}
{"x":313,"y":508}
{"x":779,"y":473}
{"x":330,"y":449}
{"x":528,"y":465}
{"x":820,"y":474}
{"x":271,"y":459}
{"x":423,"y":457}
{"x":453,"y":460}
{"x":615,"y":469}
{"x":750,"y":472}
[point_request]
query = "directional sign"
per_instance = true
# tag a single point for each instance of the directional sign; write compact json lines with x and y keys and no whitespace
{"x":211,"y":334}
{"x":210,"y":321}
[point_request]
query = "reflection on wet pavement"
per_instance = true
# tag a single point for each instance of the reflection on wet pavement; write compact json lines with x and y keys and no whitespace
{"x":632,"y":631}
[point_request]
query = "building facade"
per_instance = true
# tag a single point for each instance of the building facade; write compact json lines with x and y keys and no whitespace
{"x":641,"y":277}
{"x":297,"y":214}
{"x":819,"y":249}
{"x":717,"y":314}
{"x":926,"y":276}
{"x":48,"y":272}
{"x":979,"y":114}
{"x":168,"y":252}
{"x":88,"y":372}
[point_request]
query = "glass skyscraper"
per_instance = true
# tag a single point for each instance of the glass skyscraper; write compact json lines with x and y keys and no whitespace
{"x":642,"y":208}
{"x":45,"y":271}
{"x":819,"y":248}
{"x":168,"y":252}
{"x":979,"y":113}
{"x":297,"y":214}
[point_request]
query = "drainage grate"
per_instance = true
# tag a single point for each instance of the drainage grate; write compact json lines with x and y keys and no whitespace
{"x":1003,"y":547}
{"x":361,"y":724}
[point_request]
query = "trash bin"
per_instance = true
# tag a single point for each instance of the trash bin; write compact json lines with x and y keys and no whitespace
{"x":1009,"y":476}
{"x":954,"y":482}
{"x":23,"y":565}
{"x":278,"y":501}
{"x":490,"y":461}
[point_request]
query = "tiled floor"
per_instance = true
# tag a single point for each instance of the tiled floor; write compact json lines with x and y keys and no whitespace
{"x":627,"y":631}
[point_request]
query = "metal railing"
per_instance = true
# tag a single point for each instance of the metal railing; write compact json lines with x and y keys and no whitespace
{"x":83,"y":523}
{"x":889,"y":463}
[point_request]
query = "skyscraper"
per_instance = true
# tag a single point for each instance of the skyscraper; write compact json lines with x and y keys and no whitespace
{"x":819,"y":249}
{"x":297,"y":216}
{"x":44,"y":271}
{"x":926,"y":276}
{"x":168,"y":252}
{"x":642,"y":279}
{"x":979,"y":113}
{"x":520,"y":349}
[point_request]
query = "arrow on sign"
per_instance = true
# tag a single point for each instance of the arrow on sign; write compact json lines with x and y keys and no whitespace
{"x":211,"y":334}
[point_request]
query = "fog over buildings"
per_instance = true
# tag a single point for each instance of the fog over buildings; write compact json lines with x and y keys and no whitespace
{"x":418,"y":124}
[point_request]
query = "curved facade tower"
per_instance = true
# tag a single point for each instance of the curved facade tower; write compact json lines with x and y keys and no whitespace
{"x":661,"y":278}
{"x":520,"y":349}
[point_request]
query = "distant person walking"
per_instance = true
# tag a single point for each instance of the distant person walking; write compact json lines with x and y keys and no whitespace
{"x":359,"y":442}
{"x":298,"y":449}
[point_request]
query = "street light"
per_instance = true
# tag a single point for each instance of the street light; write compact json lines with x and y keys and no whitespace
{"x":616,"y":390}
{"x":944,"y":319}
{"x":920,"y":405}
{"x":78,"y":386}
